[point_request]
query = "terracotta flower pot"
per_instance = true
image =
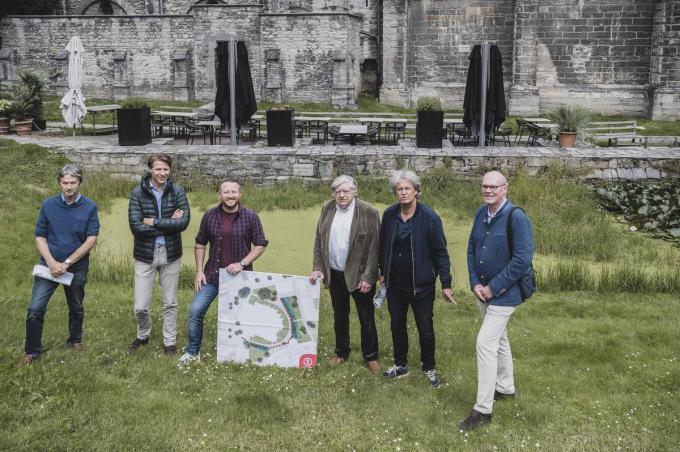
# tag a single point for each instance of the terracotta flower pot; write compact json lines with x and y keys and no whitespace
{"x":566,"y":139}
{"x":4,"y":125}
{"x":23,"y":127}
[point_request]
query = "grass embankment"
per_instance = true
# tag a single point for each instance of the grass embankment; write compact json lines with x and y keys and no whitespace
{"x":594,"y":371}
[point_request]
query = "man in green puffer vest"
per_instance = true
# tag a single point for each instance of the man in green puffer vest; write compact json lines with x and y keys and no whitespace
{"x":158,"y":213}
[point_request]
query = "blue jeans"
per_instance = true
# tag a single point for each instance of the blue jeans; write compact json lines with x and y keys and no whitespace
{"x":199,"y":306}
{"x":40,"y":296}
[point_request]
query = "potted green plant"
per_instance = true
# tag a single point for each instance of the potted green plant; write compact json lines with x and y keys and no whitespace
{"x":30,"y":92}
{"x":21,"y":112}
{"x":430,"y":122}
{"x":134,"y":122}
{"x":571,"y":120}
{"x":280,"y":126}
{"x":5,"y":112}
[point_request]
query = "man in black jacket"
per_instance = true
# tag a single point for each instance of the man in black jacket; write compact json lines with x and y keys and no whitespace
{"x":412,"y":253}
{"x":158,"y":213}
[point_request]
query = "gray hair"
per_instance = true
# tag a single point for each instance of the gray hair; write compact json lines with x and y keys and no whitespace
{"x":344,"y":179}
{"x":409,"y":176}
{"x":70,"y":170}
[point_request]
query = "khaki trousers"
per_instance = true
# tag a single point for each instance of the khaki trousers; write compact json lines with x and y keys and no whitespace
{"x":145,"y":277}
{"x":494,"y":358}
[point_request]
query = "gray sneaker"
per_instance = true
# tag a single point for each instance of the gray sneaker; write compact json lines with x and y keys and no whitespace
{"x":434,"y":379}
{"x":188,"y":358}
{"x":396,"y":372}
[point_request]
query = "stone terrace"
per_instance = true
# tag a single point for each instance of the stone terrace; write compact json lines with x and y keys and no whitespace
{"x":322,"y":162}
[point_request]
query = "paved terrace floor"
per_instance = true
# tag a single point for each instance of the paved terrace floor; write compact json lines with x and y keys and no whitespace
{"x":322,"y":161}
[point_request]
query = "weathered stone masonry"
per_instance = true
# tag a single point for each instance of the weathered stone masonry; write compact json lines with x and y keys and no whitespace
{"x":616,"y":56}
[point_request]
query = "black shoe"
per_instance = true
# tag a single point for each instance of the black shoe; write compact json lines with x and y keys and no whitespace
{"x":169,"y":350}
{"x":475,"y":419}
{"x":501,"y":396}
{"x":136,"y":344}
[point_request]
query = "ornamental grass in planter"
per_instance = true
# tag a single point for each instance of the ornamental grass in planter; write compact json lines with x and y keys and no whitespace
{"x":134,"y":122}
{"x":430,"y":122}
{"x":571,"y":121}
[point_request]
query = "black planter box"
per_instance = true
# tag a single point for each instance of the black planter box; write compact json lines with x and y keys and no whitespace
{"x":429,"y":129}
{"x":39,"y":124}
{"x":134,"y":126}
{"x":280,"y":128}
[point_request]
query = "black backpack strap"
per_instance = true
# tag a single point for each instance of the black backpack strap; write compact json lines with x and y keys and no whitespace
{"x":508,"y":228}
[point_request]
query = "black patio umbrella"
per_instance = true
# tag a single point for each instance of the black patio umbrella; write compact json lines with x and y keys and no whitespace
{"x":495,"y":93}
{"x":246,"y":105}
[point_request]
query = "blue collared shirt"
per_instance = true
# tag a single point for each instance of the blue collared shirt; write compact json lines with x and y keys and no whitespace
{"x":158,"y":194}
{"x":63,"y":198}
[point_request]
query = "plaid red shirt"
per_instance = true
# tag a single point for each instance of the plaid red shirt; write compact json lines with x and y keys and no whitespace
{"x":246,"y":231}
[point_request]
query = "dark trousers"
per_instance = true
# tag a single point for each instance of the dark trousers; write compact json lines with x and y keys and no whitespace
{"x":422,"y":304}
{"x":42,"y":292}
{"x":364,"y":304}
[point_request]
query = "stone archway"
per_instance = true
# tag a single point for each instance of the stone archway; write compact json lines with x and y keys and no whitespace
{"x":100,"y":7}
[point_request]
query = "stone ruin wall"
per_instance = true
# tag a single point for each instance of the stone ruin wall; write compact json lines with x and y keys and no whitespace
{"x":616,"y":56}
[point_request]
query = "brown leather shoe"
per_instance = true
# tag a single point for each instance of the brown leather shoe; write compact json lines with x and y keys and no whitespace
{"x":334,"y":361}
{"x":27,"y":360}
{"x":373,"y":366}
{"x":77,"y":347}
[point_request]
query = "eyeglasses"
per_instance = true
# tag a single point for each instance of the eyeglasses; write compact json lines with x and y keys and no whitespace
{"x":492,"y":187}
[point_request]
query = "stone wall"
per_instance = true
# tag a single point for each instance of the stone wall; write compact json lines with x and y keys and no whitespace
{"x":595,"y":53}
{"x":665,"y":61}
{"x":267,"y":166}
{"x":311,"y":56}
{"x":122,"y":55}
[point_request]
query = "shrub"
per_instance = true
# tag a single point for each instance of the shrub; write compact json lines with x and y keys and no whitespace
{"x":28,"y":96}
{"x":5,"y":107}
{"x":428,"y":103}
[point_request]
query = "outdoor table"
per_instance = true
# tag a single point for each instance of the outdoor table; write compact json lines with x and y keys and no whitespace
{"x":312,"y":118}
{"x":353,"y":131}
{"x":537,"y":119}
{"x":178,"y":114}
{"x":453,"y":120}
{"x":210,"y":125}
{"x":97,"y":109}
{"x":382,"y":120}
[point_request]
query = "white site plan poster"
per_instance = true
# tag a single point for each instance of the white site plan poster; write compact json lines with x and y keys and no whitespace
{"x":267,"y":319}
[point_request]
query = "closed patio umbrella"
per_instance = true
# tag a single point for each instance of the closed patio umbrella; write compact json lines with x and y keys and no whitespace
{"x":73,"y":103}
{"x":246,"y":105}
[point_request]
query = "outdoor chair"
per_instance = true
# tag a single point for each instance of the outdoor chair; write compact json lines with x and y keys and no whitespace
{"x":464,"y":136}
{"x":536,"y":133}
{"x":376,"y":125}
{"x":178,"y":126}
{"x":193,"y":131}
{"x":249,"y":130}
{"x":501,"y":135}
{"x":300,"y":128}
{"x":522,"y":128}
{"x":394,"y":131}
{"x":318,"y":128}
{"x":373,"y":134}
{"x":334,"y":132}
{"x":158,"y":123}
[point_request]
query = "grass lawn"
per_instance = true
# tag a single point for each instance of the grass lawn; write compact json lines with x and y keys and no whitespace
{"x":595,"y":370}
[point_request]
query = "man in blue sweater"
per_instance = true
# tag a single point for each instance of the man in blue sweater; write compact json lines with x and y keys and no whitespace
{"x":66,"y":231}
{"x":412,"y":253}
{"x":495,"y":273}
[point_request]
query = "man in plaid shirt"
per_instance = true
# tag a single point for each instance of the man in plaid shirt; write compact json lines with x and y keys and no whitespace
{"x":236,"y":239}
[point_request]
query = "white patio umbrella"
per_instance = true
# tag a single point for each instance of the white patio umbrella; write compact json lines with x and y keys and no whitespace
{"x":73,"y":103}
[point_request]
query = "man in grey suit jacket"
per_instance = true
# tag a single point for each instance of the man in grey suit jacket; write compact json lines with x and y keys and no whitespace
{"x":346,"y":258}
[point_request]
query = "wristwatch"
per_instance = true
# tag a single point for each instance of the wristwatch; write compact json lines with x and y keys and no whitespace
{"x":243,"y":264}
{"x":68,"y":261}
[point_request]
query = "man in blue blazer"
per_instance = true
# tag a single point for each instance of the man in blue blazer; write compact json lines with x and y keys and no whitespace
{"x":495,"y":273}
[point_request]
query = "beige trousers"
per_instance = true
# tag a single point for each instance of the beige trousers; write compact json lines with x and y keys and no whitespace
{"x":145,"y":277}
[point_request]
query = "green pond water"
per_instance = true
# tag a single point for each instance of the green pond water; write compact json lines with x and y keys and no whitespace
{"x":290,"y":234}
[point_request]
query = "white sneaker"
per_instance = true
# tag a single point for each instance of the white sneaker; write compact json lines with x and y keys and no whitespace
{"x":188,"y":358}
